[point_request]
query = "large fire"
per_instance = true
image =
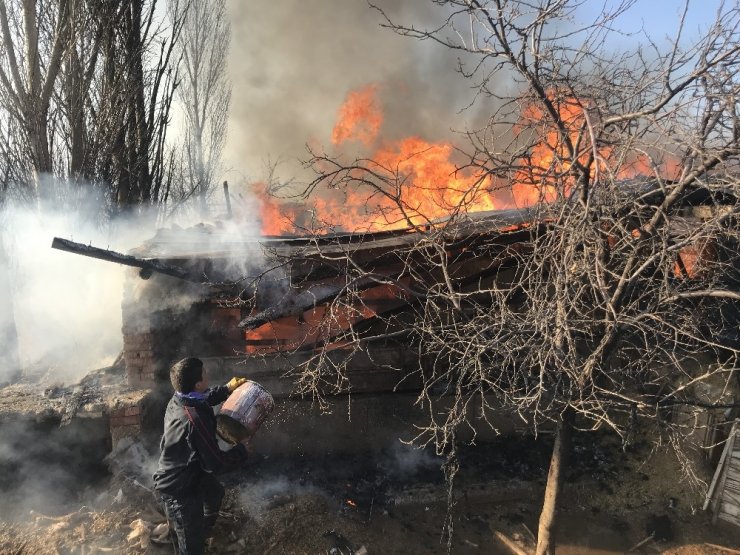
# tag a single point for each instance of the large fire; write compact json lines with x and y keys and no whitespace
{"x":414,"y":182}
{"x":359,"y":118}
{"x":417,"y":181}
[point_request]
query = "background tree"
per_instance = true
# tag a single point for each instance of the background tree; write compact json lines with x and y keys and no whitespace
{"x":90,"y":86}
{"x":86,"y":89}
{"x":28,"y":74}
{"x":205,"y":91}
{"x":624,"y":297}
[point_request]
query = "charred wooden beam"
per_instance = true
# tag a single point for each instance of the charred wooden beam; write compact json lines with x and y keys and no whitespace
{"x":315,"y":295}
{"x":147,"y":266}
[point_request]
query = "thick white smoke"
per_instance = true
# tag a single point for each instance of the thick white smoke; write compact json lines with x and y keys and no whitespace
{"x":66,"y":309}
{"x":61,"y":312}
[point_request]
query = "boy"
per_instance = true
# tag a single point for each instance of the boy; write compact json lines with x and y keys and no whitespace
{"x":190,"y":456}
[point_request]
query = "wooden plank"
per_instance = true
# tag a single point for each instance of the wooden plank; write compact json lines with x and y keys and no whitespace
{"x":732,"y":496}
{"x":730,"y":519}
{"x":729,"y":509}
{"x":720,"y":466}
{"x":733,"y":470}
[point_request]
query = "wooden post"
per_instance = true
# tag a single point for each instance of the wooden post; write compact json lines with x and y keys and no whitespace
{"x":228,"y":199}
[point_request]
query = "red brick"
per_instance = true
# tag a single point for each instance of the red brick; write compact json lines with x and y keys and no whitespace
{"x":118,"y":421}
{"x":124,"y":421}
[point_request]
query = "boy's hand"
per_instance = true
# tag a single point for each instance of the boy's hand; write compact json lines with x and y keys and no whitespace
{"x":235,"y":382}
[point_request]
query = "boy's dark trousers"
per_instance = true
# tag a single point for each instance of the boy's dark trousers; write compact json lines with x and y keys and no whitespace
{"x":192,"y":514}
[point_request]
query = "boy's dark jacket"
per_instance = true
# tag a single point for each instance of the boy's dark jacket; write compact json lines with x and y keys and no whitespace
{"x":188,"y":447}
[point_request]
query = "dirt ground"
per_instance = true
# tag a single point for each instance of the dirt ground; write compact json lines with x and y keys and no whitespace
{"x":395,"y":502}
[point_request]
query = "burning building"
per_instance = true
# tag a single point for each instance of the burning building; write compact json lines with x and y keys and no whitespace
{"x":267,"y":307}
{"x":270,"y":307}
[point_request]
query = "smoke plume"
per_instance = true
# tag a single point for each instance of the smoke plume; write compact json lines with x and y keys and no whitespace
{"x":66,"y":308}
{"x":293,"y":63}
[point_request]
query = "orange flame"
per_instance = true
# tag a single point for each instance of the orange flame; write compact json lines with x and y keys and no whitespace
{"x":359,"y":117}
{"x":418,"y":181}
{"x":324,"y":322}
{"x":276,"y":218}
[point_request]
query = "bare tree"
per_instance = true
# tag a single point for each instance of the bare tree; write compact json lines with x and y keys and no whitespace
{"x":91,"y":91}
{"x":136,"y":90}
{"x":86,"y":89}
{"x":205,"y":90}
{"x":28,"y":76}
{"x":615,"y":295}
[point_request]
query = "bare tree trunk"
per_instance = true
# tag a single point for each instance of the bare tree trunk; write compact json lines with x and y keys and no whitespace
{"x":558,"y":463}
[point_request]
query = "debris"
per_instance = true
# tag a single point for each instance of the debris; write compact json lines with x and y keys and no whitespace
{"x":161,"y":530}
{"x":471,"y":544}
{"x":59,"y":526}
{"x":140,"y":532}
{"x":62,"y":522}
{"x":642,"y":542}
{"x":723,"y":548}
{"x":118,"y":499}
{"x":341,"y":544}
{"x":509,"y":543}
{"x":73,"y":404}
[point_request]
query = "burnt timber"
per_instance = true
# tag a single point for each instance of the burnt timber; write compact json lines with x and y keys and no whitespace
{"x":147,"y":267}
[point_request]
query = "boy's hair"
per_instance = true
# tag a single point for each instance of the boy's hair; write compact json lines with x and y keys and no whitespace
{"x":185,"y":373}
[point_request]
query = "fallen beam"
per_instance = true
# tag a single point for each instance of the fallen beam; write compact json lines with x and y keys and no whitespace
{"x":147,"y":266}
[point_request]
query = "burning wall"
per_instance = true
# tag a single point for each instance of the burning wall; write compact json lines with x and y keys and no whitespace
{"x":299,"y":299}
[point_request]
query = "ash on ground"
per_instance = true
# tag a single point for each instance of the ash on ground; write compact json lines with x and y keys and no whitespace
{"x":396,"y":501}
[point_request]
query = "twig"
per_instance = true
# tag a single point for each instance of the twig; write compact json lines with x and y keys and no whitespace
{"x":641,"y":543}
{"x":531,"y":534}
{"x":723,"y":548}
{"x":370,"y":514}
{"x":509,"y":543}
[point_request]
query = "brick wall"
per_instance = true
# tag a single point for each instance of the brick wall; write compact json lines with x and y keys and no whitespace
{"x":138,"y":354}
{"x":125,"y":421}
{"x":166,"y":319}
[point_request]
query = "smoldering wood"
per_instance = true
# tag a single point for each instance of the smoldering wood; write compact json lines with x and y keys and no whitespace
{"x":147,"y":266}
{"x":313,"y":296}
